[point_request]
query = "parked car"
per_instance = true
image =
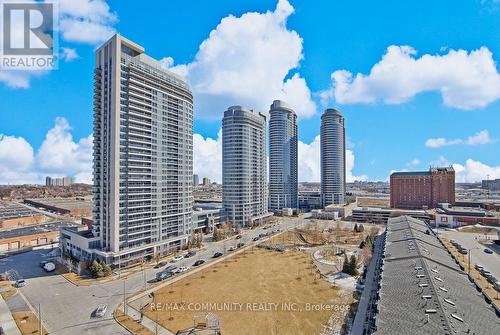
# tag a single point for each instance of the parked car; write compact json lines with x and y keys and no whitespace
{"x":198,"y":262}
{"x":190,"y":254}
{"x":177,"y":258}
{"x":2,"y":255}
{"x":159,"y":265}
{"x":478,"y":267}
{"x":49,"y":267}
{"x":218,"y":254}
{"x":256,"y":238}
{"x":160,"y":276}
{"x":488,"y":251}
{"x":170,"y":268}
{"x":42,"y":264}
{"x":238,"y":237}
{"x":463,"y":251}
{"x":183,"y":269}
{"x":20,"y":283}
{"x":492,"y":279}
{"x":231,"y":248}
{"x":101,"y":310}
{"x":240,"y":245}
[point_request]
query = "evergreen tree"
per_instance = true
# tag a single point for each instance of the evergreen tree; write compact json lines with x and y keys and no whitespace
{"x":355,"y":227}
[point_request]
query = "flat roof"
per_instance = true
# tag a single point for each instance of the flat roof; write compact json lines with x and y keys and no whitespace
{"x":38,"y":229}
{"x":13,"y":211}
{"x":64,"y":203}
{"x":423,"y":290}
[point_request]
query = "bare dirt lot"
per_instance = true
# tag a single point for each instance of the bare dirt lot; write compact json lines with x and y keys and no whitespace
{"x":256,"y":292}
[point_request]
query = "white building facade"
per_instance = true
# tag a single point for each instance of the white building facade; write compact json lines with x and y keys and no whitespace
{"x":244,"y":166}
{"x":143,"y":154}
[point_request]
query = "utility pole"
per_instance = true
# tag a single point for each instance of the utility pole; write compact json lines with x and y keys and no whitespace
{"x":40,"y":329}
{"x":124,"y":298}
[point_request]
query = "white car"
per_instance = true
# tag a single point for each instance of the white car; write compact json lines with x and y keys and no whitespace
{"x":49,"y":267}
{"x":101,"y":310}
{"x":183,"y":269}
{"x":177,"y":258}
{"x":20,"y":283}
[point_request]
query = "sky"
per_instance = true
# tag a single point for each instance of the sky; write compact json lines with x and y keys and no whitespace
{"x":417,"y":81}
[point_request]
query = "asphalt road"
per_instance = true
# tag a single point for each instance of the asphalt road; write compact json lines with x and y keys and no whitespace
{"x":68,"y":309}
{"x":477,"y":256}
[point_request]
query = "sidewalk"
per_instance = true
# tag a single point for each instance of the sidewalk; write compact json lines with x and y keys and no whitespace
{"x":6,"y":320}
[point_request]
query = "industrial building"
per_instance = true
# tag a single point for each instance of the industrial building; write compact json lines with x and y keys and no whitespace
{"x":422,"y":189}
{"x":77,"y":207}
{"x":24,"y":238}
{"x":416,"y":287}
{"x":15,"y":215}
{"x":377,"y":215}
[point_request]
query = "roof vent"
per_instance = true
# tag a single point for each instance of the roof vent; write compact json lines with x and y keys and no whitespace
{"x":434,"y":270}
{"x":418,"y":268}
{"x":438,"y":279}
{"x":449,"y":301}
{"x":428,"y":311}
{"x":443,"y":289}
{"x":423,"y":285}
{"x":426,"y":296}
{"x":457,"y":317}
{"x":420,"y":276}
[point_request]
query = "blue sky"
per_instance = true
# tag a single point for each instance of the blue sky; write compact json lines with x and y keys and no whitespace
{"x":428,"y":90}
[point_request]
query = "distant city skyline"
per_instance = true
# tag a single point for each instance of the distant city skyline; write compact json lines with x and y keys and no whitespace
{"x":443,"y":118}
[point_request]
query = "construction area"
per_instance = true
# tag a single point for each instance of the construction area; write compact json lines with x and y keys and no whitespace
{"x":282,"y":290}
{"x":278,"y":281}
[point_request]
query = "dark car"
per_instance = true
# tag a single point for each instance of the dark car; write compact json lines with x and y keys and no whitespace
{"x":163,"y":275}
{"x":488,"y":251}
{"x":218,"y":254}
{"x":256,"y":238}
{"x":171,"y":268}
{"x":190,"y":254}
{"x":42,"y":264}
{"x":198,"y":262}
{"x":159,"y":265}
{"x":238,"y":237}
{"x":241,"y":244}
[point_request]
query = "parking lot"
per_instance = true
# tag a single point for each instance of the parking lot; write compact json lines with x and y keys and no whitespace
{"x":68,"y":309}
{"x":477,"y":243}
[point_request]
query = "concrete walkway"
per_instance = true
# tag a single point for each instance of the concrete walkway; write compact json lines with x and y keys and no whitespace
{"x":6,"y":320}
{"x":147,"y":322}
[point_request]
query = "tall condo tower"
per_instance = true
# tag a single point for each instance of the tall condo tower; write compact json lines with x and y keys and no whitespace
{"x":244,"y":166}
{"x":283,"y":182}
{"x":143,"y":155}
{"x":332,"y":158}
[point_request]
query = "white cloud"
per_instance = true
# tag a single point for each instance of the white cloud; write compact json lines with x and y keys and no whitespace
{"x":482,"y":137}
{"x":310,"y":164}
{"x":69,"y":54}
{"x":415,"y":161}
{"x":82,"y":21}
{"x":248,"y":60}
{"x":86,"y":21}
{"x":475,"y":171}
{"x":58,"y":155}
{"x":465,"y":80}
{"x":207,"y":157}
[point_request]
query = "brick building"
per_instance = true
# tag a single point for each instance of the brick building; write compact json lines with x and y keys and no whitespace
{"x":416,"y":190}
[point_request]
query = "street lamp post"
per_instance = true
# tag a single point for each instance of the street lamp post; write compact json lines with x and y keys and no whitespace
{"x":468,"y":254}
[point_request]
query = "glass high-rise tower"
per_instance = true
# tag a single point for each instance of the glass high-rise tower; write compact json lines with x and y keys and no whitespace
{"x":283,"y":183}
{"x":332,"y":158}
{"x":244,"y":166}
